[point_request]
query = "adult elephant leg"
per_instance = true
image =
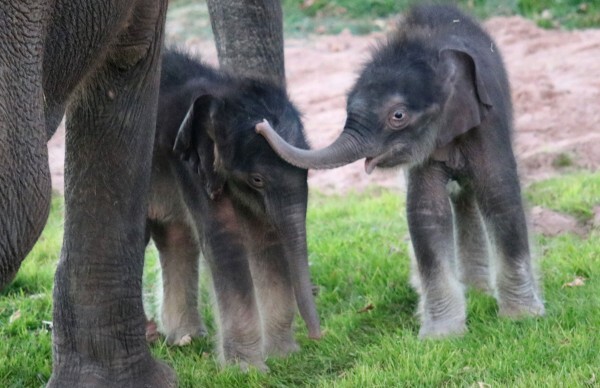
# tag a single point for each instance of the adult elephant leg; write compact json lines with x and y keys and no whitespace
{"x":24,"y":173}
{"x":240,"y":338}
{"x":442,"y":302}
{"x":471,"y":240}
{"x":249,"y":37}
{"x":99,"y":323}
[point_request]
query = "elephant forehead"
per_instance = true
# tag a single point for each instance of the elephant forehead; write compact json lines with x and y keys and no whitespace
{"x":416,"y":86}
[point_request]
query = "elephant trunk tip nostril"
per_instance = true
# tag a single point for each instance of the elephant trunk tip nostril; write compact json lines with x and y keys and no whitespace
{"x":262,"y":127}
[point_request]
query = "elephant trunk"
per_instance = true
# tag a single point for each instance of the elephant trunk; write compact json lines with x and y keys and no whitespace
{"x":294,"y":236}
{"x":347,"y":148}
{"x":304,"y":296}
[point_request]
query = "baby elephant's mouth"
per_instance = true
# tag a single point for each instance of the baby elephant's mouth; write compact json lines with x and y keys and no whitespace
{"x":389,"y":159}
{"x":371,"y":163}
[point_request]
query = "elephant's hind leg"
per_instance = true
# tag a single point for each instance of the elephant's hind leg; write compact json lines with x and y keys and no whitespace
{"x":500,"y":201}
{"x":179,"y":251}
{"x":472,"y":247}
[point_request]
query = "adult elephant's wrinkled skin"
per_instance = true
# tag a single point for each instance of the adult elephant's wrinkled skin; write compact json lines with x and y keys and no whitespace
{"x":98,"y":62}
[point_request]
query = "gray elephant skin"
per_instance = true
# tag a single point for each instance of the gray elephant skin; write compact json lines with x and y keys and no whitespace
{"x":234,"y":200}
{"x":435,"y":100}
{"x":99,"y":62}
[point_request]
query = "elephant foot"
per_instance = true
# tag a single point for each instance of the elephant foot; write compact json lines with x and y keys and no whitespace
{"x":183,"y":336}
{"x":280,"y":347}
{"x":443,"y":313}
{"x":151,"y":373}
{"x":259,"y":365}
{"x":519,"y":299}
{"x":244,"y":356}
{"x":443,"y":321}
{"x":442,"y":308}
{"x":531,"y":307}
{"x":443,"y":329}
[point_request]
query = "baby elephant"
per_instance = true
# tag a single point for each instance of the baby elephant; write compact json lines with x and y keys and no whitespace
{"x":435,"y":99}
{"x":218,"y":189}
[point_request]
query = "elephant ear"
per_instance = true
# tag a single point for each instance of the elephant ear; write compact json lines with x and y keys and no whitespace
{"x":195,"y":143}
{"x":468,"y":98}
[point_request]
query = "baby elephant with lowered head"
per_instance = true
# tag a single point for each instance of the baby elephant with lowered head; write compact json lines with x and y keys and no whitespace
{"x":217,"y":188}
{"x":435,"y":99}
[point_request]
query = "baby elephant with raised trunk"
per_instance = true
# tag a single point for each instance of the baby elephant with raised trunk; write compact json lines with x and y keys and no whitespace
{"x":435,"y":99}
{"x":218,"y":189}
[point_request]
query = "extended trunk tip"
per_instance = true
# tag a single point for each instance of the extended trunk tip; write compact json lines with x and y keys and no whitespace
{"x":313,"y":324}
{"x":263,"y":127}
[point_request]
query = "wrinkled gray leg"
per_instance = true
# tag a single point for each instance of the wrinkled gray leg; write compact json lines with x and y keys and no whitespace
{"x":442,"y":301}
{"x":238,"y":316}
{"x":249,"y":38}
{"x":276,"y":302}
{"x":179,"y":251}
{"x":471,"y":241}
{"x":99,"y":323}
{"x":500,"y":203}
{"x":499,"y":198}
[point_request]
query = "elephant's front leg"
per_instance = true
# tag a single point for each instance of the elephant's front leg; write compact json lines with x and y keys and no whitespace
{"x":99,"y":323}
{"x":276,"y":302}
{"x":240,"y":339}
{"x":442,"y":303}
{"x":179,"y":251}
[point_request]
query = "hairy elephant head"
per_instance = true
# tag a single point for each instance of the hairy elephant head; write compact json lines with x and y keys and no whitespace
{"x":416,"y":95}
{"x":217,"y":136}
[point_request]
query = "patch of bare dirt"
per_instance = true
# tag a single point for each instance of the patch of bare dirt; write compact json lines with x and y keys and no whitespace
{"x":555,"y":78}
{"x":551,"y":223}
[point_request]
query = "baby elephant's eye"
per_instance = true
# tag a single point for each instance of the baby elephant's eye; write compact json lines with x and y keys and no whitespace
{"x":398,"y":119}
{"x":256,"y":180}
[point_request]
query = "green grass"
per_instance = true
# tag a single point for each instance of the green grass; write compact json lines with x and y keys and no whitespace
{"x":189,"y":18}
{"x":566,"y":13}
{"x":26,"y":344}
{"x":358,"y":254}
{"x":575,"y":194}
